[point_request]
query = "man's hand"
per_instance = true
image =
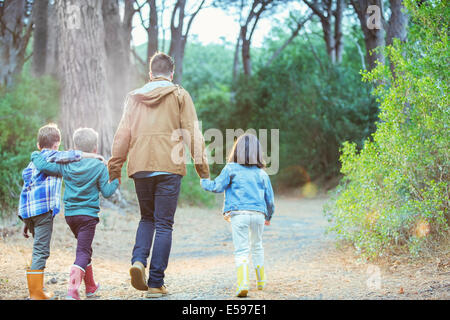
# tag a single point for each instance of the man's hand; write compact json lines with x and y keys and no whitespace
{"x":267,"y":223}
{"x":25,"y":231}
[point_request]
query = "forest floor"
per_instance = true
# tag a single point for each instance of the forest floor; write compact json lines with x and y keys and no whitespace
{"x":302,"y":262}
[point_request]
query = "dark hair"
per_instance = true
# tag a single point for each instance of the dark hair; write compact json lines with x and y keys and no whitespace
{"x":161,"y":64}
{"x":48,"y":135}
{"x":247,"y":151}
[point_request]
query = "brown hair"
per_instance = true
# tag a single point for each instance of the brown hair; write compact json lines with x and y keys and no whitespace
{"x":161,"y":64}
{"x":48,"y":135}
{"x":247,"y":151}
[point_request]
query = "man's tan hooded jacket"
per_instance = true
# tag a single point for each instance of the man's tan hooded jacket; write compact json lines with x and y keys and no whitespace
{"x":157,"y":121}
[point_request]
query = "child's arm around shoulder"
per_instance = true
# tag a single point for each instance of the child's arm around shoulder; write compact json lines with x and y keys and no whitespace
{"x":106,"y":188}
{"x":73,"y":156}
{"x":219,"y":184}
{"x":41,"y":164}
{"x":66,"y":156}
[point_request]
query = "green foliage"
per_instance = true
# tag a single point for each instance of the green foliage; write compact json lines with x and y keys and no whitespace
{"x":395,"y":190}
{"x":192,"y":193}
{"x":23,"y":110}
{"x":206,"y":68}
{"x":315,"y":105}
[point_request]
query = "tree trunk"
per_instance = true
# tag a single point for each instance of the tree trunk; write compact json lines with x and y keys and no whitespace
{"x":246,"y":59}
{"x":40,"y":10}
{"x":51,"y":61}
{"x":397,"y":25}
{"x":236,"y":59}
{"x":127,"y":23}
{"x":373,"y":36}
{"x":247,"y":29}
{"x":83,"y":72}
{"x":117,"y":45}
{"x":397,"y":22}
{"x":14,"y":37}
{"x":338,"y":44}
{"x":329,"y":38}
{"x":152,"y":31}
{"x":176,"y":50}
{"x":332,"y":37}
{"x":179,"y":37}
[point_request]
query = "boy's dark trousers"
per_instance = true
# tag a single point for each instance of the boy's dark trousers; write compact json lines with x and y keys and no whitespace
{"x":83,"y":228}
{"x":158,"y":197}
{"x":41,"y":227}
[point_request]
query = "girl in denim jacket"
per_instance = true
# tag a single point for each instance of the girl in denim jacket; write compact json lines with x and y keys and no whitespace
{"x":248,"y":203}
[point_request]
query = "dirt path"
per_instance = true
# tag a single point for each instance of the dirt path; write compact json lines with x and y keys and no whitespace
{"x":301,"y":261}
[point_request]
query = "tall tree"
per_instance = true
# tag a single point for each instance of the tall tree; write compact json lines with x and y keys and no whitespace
{"x":247,"y":30}
{"x":380,"y":33}
{"x":250,"y":12}
{"x":40,"y":18}
{"x":398,"y":22}
{"x":373,"y":32}
{"x":51,"y":61}
{"x":117,"y":46}
{"x":330,"y":14}
{"x":83,"y":71}
{"x":15,"y":30}
{"x":179,"y":34}
{"x":397,"y":25}
{"x":150,"y":25}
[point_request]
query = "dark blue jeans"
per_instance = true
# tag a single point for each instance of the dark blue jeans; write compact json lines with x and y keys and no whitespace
{"x":158,"y":197}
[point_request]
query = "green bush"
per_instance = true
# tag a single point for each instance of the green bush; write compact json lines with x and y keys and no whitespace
{"x":192,"y":193}
{"x":395,"y":191}
{"x":24,"y":108}
{"x":315,"y":110}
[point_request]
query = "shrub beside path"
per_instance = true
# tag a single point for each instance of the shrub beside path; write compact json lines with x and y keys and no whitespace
{"x":302,"y":262}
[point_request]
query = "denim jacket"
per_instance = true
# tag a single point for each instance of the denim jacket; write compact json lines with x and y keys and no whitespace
{"x":246,"y":188}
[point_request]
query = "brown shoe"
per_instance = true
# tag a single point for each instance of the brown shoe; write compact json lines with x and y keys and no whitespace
{"x":137,"y":273}
{"x":157,"y":292}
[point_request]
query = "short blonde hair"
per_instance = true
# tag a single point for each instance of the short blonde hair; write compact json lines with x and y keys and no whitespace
{"x":85,"y":139}
{"x":48,"y":135}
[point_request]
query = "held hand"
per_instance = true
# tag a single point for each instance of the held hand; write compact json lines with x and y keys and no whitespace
{"x":120,"y":180}
{"x":25,"y":231}
{"x":267,"y":223}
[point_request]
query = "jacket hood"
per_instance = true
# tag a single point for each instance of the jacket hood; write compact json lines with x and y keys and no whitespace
{"x":154,"y":92}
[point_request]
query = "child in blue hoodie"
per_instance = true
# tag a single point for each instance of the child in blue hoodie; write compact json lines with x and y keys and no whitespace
{"x":83,"y":182}
{"x":248,"y":204}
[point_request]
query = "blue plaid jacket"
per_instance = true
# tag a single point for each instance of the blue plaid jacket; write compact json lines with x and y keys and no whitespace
{"x":40,"y":192}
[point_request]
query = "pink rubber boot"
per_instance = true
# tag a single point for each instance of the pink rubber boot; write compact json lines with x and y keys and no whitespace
{"x":91,"y":286}
{"x":76,"y":277}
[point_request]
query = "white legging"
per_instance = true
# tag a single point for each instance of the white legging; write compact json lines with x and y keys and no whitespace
{"x":244,"y":223}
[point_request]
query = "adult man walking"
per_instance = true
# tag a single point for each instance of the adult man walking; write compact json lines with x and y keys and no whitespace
{"x":156,"y":120}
